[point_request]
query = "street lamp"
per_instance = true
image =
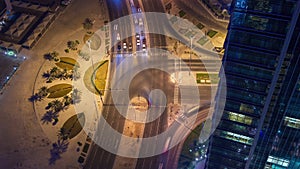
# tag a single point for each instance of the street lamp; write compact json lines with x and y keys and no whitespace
{"x":191,"y":46}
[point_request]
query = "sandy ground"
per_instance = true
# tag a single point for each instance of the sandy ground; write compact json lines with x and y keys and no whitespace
{"x":23,"y":141}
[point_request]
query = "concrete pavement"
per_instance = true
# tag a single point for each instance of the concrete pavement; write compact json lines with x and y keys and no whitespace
{"x":24,"y":143}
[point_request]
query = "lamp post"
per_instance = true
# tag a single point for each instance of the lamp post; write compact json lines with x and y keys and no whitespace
{"x":191,"y":46}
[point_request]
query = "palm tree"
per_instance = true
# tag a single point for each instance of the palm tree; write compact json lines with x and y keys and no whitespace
{"x":64,"y":74}
{"x":75,"y":73}
{"x":43,"y":91}
{"x":48,"y":56}
{"x":54,"y":55}
{"x":67,"y":100}
{"x":49,"y":116}
{"x":34,"y":97}
{"x":54,"y":71}
{"x":76,"y":96}
{"x":57,"y":106}
{"x":46,"y":75}
{"x":88,"y":24}
{"x":63,"y":134}
{"x":72,"y":45}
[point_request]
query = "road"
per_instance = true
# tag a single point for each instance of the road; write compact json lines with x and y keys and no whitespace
{"x":194,"y":8}
{"x":142,"y":84}
{"x":99,"y":158}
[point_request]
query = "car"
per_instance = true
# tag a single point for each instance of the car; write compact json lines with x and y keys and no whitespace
{"x":138,"y":42}
{"x":66,"y":2}
{"x":137,"y":36}
{"x":144,"y":46}
{"x":160,"y":165}
{"x":135,"y":20}
{"x":130,"y":46}
{"x":138,"y":8}
{"x":141,"y":22}
{"x":115,"y":27}
{"x":118,"y":36}
{"x":119,"y":47}
{"x":124,"y":45}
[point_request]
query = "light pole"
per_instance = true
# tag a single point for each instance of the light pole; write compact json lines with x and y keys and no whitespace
{"x":191,"y":46}
{"x":93,"y":74}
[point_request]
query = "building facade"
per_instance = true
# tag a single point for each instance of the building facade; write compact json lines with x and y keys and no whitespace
{"x":260,"y":125}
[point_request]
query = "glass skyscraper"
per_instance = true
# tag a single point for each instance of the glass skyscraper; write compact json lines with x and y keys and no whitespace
{"x":260,"y":125}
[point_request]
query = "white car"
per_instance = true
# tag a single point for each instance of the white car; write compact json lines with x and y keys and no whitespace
{"x":135,"y":20}
{"x":141,"y":22}
{"x":144,"y":47}
{"x":118,"y":36}
{"x":138,"y":42}
{"x":124,"y":45}
{"x":130,"y":46}
{"x":115,"y":27}
{"x":137,"y":36}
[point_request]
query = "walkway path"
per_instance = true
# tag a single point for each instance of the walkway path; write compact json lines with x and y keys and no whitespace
{"x":23,"y":143}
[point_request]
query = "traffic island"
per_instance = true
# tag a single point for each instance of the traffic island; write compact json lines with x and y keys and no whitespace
{"x":140,"y":104}
{"x":95,"y":77}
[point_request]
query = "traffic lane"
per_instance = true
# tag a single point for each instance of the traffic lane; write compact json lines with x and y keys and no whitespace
{"x":98,"y":156}
{"x":201,"y":14}
{"x":147,"y":80}
{"x":117,"y":9}
{"x":154,"y":24}
{"x":120,"y":28}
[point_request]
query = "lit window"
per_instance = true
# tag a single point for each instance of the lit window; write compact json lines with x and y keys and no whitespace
{"x":236,"y":137}
{"x":241,"y":4}
{"x":292,"y":122}
{"x":240,"y":118}
{"x":278,"y":161}
{"x":246,"y":108}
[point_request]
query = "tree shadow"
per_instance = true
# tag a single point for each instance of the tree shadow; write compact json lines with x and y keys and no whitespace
{"x":49,"y":117}
{"x":57,"y":149}
{"x":35,"y":97}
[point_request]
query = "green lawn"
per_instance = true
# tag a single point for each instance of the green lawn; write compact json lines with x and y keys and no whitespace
{"x":101,"y":74}
{"x":211,"y":33}
{"x":181,"y":13}
{"x":96,"y":85}
{"x":202,"y":40}
{"x":59,"y":90}
{"x":67,"y":63}
{"x":205,"y":78}
{"x":200,"y":26}
{"x":74,"y":125}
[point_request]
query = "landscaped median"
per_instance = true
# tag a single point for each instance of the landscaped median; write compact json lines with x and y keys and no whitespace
{"x":95,"y":77}
{"x":59,"y":90}
{"x":67,"y":63}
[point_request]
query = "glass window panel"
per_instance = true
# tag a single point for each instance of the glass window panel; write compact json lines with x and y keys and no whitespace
{"x":292,"y":122}
{"x":245,"y":95}
{"x":241,"y":54}
{"x":259,"y":23}
{"x":235,"y":137}
{"x":256,"y":40}
{"x":247,"y":84}
{"x":247,"y":70}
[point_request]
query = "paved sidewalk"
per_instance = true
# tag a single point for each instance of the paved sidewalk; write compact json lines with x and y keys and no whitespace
{"x":25,"y":143}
